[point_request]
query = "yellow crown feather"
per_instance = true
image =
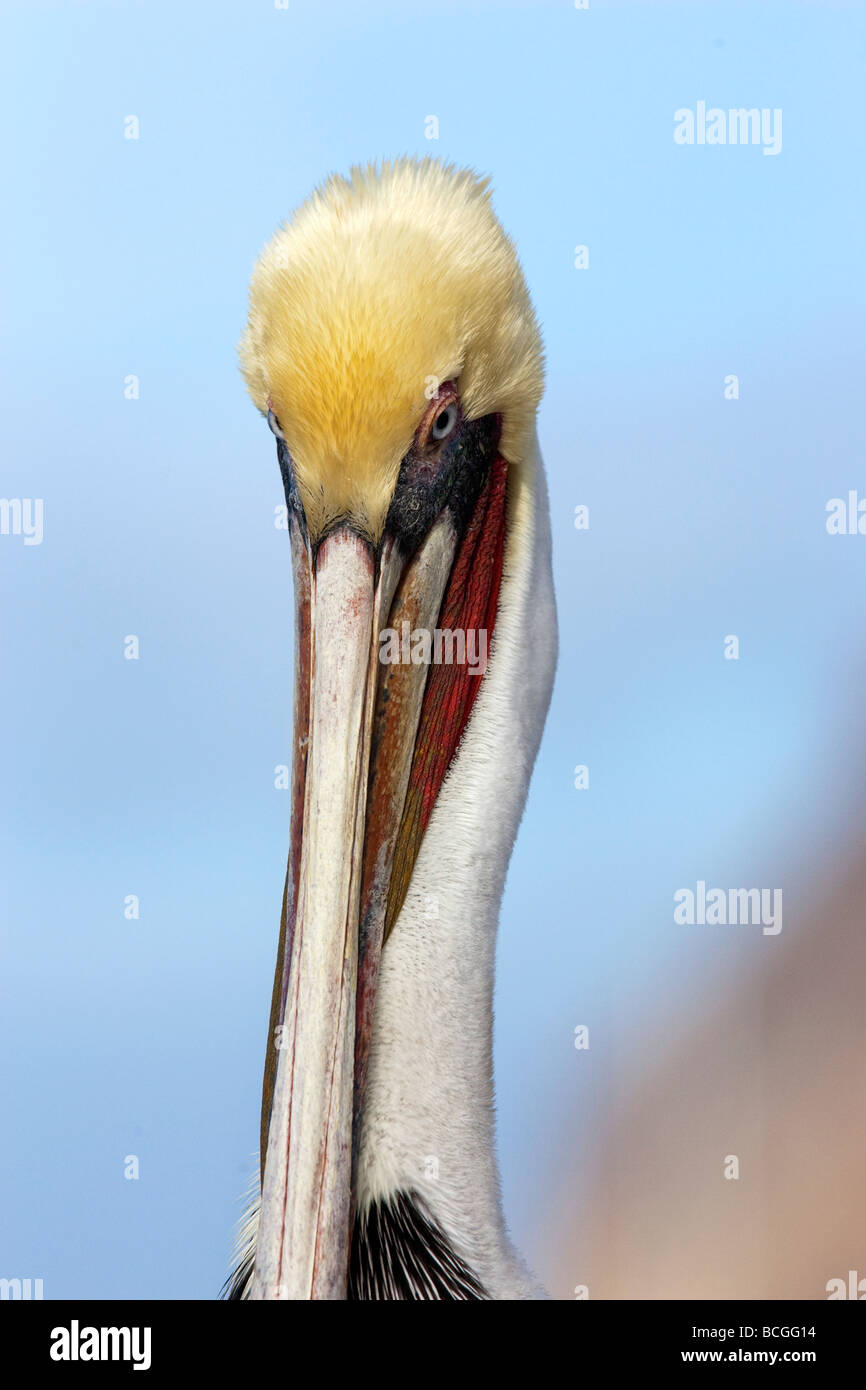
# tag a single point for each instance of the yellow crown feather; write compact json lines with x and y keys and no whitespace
{"x":381,"y":284}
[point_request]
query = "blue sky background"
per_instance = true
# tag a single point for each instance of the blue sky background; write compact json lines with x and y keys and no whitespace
{"x":155,"y":777}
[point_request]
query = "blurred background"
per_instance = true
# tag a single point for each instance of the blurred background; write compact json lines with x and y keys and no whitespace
{"x":129,"y":258}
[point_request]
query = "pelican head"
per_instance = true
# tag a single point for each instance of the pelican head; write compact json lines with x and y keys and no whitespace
{"x":393,"y":349}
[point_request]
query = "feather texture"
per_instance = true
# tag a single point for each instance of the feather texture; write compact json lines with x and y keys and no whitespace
{"x":381,"y":284}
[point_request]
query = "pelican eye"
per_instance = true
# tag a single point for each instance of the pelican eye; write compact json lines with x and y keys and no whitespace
{"x":275,"y":426}
{"x":444,"y":423}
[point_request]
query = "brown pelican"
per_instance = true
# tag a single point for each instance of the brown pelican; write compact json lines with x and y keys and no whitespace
{"x":393,"y":348}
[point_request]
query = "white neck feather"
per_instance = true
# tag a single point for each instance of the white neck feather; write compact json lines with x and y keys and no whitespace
{"x":429,"y":1115}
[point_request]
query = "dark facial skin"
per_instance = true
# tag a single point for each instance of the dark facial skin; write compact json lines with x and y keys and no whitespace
{"x":432,"y":475}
